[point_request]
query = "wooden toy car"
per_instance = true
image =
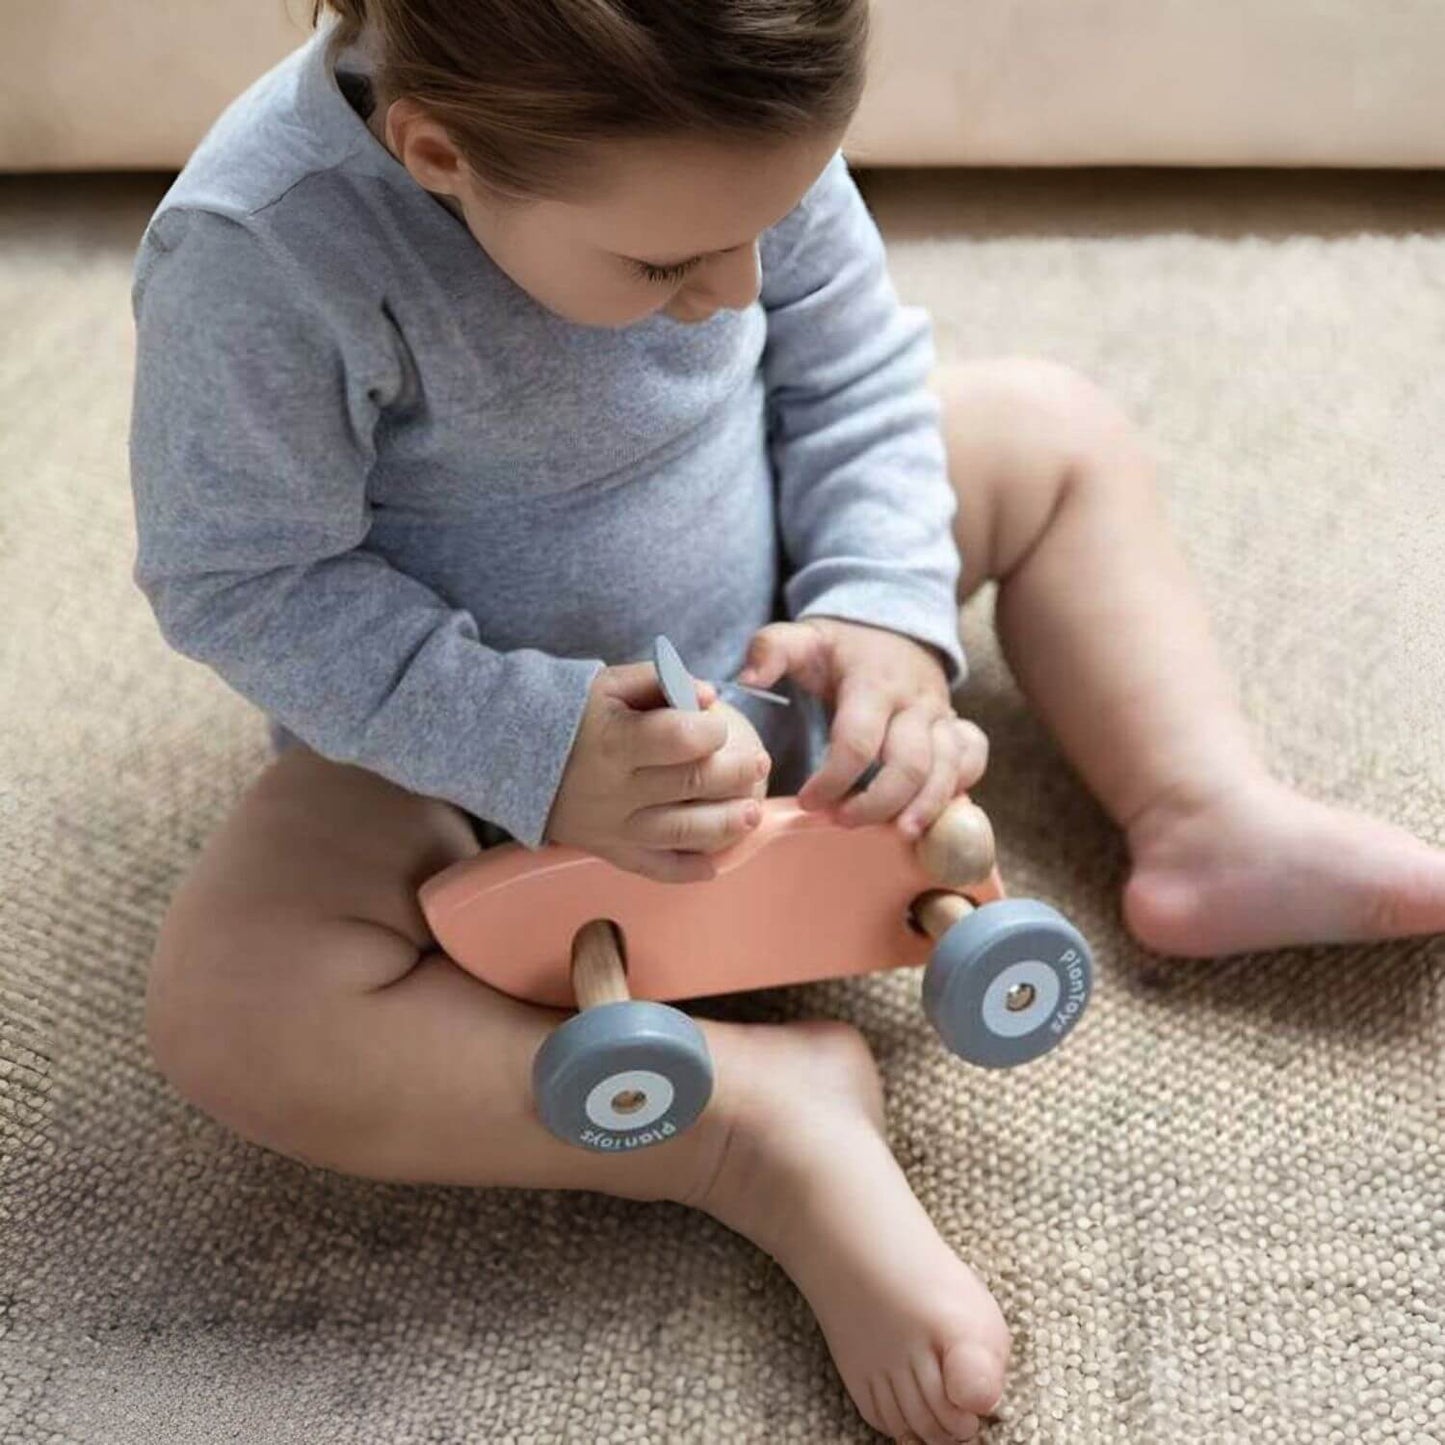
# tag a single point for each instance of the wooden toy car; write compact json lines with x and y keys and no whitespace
{"x":800,"y":898}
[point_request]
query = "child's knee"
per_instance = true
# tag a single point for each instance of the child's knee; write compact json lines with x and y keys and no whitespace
{"x":198,"y":1013}
{"x":1049,"y":420}
{"x":1023,"y":437}
{"x":237,"y":1017}
{"x":1092,"y":433}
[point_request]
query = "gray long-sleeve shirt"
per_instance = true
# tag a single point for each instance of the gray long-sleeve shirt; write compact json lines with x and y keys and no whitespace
{"x":410,"y":513}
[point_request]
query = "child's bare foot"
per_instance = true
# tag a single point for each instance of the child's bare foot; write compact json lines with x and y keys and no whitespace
{"x":1257,"y":866}
{"x":801,"y":1167}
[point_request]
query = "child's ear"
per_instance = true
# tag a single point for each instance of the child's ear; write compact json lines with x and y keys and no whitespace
{"x":422,"y":145}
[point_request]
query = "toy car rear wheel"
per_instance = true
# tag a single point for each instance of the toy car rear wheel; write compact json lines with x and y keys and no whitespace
{"x":622,"y":1076}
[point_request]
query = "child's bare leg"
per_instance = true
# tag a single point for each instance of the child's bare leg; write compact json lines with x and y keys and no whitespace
{"x":1103,"y":629}
{"x":297,"y":997}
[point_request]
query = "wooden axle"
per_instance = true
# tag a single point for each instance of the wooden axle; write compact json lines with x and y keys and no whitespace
{"x":938,"y":910}
{"x":598,"y":973}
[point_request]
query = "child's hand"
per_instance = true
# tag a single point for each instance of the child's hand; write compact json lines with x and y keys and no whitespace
{"x":890,"y":700}
{"x":654,"y":789}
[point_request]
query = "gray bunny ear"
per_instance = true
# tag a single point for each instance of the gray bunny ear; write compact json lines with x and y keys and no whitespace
{"x":677,"y":684}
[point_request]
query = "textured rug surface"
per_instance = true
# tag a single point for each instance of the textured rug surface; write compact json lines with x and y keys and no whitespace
{"x":1219,"y":1213}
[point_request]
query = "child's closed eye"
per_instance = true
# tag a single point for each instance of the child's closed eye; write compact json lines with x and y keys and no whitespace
{"x":658,"y":275}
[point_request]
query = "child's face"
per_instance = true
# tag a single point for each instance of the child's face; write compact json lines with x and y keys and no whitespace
{"x":665,"y":225}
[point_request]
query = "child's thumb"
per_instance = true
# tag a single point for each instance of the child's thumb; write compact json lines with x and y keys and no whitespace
{"x":636,"y":684}
{"x":778,"y":648}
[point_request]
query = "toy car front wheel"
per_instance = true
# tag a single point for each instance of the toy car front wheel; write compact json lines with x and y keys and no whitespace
{"x":1007,"y":982}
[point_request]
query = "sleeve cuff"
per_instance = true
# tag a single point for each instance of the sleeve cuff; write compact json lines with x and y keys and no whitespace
{"x":528,"y":745}
{"x":901,"y":605}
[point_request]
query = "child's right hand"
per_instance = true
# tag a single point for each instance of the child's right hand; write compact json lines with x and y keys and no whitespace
{"x":653,"y":789}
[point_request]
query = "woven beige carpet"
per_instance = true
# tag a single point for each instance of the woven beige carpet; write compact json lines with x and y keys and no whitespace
{"x":1218,"y":1214}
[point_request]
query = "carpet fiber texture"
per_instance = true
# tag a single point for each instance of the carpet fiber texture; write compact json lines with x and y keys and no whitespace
{"x":1218,"y":1213}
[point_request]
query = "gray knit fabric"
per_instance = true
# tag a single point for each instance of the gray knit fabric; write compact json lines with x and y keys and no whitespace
{"x":408,"y":511}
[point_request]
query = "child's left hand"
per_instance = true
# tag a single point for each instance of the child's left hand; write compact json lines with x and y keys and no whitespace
{"x":890,"y":701}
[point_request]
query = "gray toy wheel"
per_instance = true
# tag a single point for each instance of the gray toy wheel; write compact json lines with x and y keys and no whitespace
{"x":1007,"y":982}
{"x":622,"y":1076}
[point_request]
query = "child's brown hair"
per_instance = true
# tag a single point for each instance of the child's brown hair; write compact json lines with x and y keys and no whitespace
{"x":524,"y":87}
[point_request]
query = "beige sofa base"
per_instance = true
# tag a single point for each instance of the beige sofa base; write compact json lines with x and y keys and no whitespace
{"x":88,"y":84}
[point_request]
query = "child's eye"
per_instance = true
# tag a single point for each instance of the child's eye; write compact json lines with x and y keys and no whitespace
{"x":660,"y":274}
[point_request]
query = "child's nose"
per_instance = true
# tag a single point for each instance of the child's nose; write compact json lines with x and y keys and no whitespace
{"x":731,"y":280}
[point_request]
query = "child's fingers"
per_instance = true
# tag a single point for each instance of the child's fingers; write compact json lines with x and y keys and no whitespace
{"x":907,"y":757}
{"x":727,"y":773}
{"x":973,"y":753}
{"x":782,"y":648}
{"x":859,"y":725}
{"x":667,"y":736}
{"x":634,"y":683}
{"x":694,"y":827}
{"x":663,"y":866}
{"x":637,"y":684}
{"x":936,"y":794}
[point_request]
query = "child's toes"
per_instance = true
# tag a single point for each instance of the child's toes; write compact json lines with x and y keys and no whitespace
{"x":1412,"y":901}
{"x":973,"y":1376}
{"x":885,"y":1415}
{"x":958,"y":1423}
{"x":924,"y":1423}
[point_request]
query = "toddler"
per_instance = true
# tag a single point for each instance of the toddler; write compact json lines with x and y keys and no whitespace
{"x":481,"y":341}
